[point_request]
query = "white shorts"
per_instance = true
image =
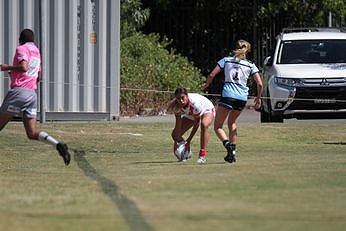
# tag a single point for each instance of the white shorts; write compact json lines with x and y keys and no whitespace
{"x":20,"y":102}
{"x":191,"y":117}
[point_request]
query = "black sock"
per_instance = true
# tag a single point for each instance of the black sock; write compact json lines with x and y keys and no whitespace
{"x":226,"y":143}
{"x":229,"y":145}
{"x":233,"y":146}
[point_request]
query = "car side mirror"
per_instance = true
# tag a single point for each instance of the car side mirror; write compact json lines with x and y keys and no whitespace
{"x":268,"y":61}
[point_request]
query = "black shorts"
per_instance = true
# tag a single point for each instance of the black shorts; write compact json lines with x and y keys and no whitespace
{"x":232,"y":104}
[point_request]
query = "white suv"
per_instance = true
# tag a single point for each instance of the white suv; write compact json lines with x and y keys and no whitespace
{"x":306,"y":75}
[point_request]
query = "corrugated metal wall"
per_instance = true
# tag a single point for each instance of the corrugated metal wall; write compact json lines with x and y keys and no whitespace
{"x":80,"y":47}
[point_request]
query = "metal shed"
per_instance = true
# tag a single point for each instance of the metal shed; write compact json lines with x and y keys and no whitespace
{"x":80,"y":47}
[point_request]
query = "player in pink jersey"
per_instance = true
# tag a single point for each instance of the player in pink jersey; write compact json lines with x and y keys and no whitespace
{"x":192,"y":110}
{"x":21,"y":99}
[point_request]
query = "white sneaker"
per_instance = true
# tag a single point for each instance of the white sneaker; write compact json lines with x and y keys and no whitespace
{"x":201,"y":160}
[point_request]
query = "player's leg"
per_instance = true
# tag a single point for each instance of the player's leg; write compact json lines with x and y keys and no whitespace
{"x":7,"y":111}
{"x":4,"y":119}
{"x":32,"y":132}
{"x":206,"y":121}
{"x":31,"y":128}
{"x":238,"y":106}
{"x":220,"y":117}
{"x":27,"y":100}
{"x":232,"y":127}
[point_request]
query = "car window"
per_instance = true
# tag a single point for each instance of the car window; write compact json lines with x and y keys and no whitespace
{"x":312,"y":51}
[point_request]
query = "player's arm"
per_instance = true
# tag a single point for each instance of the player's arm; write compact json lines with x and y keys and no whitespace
{"x":39,"y":76}
{"x":258,"y":80}
{"x":23,"y":66}
{"x":211,"y":76}
{"x":178,"y":124}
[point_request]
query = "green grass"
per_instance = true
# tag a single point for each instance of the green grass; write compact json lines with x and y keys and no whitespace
{"x":287,"y":177}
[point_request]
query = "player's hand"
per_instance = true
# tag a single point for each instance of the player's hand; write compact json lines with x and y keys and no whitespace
{"x":187,"y":145}
{"x":204,"y":87}
{"x":258,"y":103}
{"x":4,"y":67}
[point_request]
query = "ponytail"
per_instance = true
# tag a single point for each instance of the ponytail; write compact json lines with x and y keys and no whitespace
{"x":242,"y":47}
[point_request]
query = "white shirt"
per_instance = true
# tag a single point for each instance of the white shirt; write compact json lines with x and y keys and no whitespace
{"x":198,"y":105}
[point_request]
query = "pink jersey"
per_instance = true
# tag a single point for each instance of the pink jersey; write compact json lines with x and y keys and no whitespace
{"x":27,"y":52}
{"x":198,"y":105}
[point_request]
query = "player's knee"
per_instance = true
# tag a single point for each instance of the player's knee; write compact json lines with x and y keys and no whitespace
{"x":217,"y":127}
{"x":32,"y":135}
{"x":205,"y":126}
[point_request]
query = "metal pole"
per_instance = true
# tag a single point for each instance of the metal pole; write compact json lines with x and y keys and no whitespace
{"x":254,"y":31}
{"x":330,"y":21}
{"x":114,"y":95}
{"x":42,"y":81}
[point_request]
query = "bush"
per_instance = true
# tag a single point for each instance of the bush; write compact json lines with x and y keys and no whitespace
{"x":150,"y":73}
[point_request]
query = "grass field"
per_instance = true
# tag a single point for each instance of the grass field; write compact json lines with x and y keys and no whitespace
{"x":123,"y":176}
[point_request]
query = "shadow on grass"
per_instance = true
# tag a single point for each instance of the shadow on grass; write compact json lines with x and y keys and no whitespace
{"x":156,"y":162}
{"x":188,"y":162}
{"x":127,"y":208}
{"x":335,"y":142}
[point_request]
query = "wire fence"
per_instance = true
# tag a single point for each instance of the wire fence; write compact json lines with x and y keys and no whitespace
{"x":138,"y":101}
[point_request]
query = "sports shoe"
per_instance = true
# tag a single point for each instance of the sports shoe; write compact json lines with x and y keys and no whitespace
{"x":201,"y":160}
{"x":230,"y":157}
{"x":63,"y":152}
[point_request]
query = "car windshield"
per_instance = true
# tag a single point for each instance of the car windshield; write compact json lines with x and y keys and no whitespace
{"x":312,"y":51}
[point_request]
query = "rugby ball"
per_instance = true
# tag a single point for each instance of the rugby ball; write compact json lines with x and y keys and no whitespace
{"x":180,"y":151}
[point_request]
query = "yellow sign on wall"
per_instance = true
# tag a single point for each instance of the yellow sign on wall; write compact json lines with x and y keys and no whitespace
{"x":93,"y":38}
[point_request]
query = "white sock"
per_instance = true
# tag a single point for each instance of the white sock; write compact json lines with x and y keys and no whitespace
{"x":45,"y":138}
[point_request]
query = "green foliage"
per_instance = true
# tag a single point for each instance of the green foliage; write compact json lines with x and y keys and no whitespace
{"x":132,"y":16}
{"x":296,"y":11}
{"x":148,"y":70}
{"x":147,"y":64}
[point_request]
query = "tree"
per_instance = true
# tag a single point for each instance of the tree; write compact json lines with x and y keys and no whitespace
{"x":149,"y":70}
{"x":133,"y":16}
{"x":304,"y":12}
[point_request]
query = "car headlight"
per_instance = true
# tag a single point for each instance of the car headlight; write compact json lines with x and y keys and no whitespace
{"x":287,"y":82}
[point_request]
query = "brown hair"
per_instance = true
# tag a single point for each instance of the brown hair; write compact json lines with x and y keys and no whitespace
{"x":180,"y":91}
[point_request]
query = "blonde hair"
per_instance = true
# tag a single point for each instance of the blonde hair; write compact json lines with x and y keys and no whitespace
{"x":242,"y":47}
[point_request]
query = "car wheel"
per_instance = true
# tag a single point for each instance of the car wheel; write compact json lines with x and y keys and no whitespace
{"x":270,"y":116}
{"x":264,"y":116}
{"x":276,"y":118}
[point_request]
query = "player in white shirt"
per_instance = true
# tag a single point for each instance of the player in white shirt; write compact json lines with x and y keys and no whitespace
{"x":192,"y":110}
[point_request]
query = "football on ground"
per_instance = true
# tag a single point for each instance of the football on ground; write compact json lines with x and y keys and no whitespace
{"x":181,"y":153}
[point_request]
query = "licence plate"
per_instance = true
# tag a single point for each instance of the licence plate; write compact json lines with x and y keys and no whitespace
{"x":324,"y":101}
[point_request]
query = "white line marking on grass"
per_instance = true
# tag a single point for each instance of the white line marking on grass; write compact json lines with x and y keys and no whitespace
{"x":130,"y":133}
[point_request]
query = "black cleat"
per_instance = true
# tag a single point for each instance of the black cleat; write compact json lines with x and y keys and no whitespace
{"x":63,"y":152}
{"x":230,"y":156}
